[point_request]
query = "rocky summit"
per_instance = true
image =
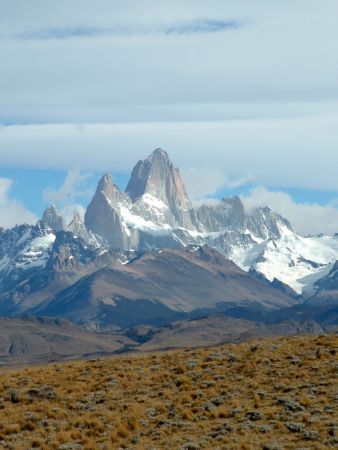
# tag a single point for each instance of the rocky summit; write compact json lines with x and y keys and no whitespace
{"x":155,"y":212}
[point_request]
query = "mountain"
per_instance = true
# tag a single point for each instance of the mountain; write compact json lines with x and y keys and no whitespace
{"x":78,"y":228}
{"x":157,"y":178}
{"x":27,"y":340}
{"x":122,"y":230}
{"x":158,"y":287}
{"x":103,"y":214}
{"x":36,"y":340}
{"x":215,"y":330}
{"x":37,"y":262}
{"x":297,"y":261}
{"x":325,"y":314}
{"x":52,"y":220}
{"x":156,"y":212}
{"x":326,"y":288}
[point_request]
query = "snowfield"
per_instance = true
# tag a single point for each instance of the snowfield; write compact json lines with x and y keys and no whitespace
{"x":295,"y":260}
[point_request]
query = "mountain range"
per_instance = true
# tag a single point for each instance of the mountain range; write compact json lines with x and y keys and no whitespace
{"x":150,"y":256}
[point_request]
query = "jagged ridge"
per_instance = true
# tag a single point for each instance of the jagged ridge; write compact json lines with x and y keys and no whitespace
{"x":155,"y":212}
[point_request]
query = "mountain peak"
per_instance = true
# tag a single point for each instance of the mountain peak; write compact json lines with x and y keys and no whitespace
{"x":76,"y":221}
{"x":51,"y":209}
{"x":159,"y":154}
{"x":150,"y":176}
{"x":77,"y":217}
{"x":53,"y":219}
{"x":77,"y":226}
{"x":105,"y":183}
{"x":157,"y":176}
{"x":102,"y":214}
{"x":107,"y":187}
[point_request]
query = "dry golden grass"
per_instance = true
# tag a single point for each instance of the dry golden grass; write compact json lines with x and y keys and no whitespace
{"x":273,"y":394}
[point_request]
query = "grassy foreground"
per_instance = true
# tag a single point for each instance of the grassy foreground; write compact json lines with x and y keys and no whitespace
{"x":269,"y":395}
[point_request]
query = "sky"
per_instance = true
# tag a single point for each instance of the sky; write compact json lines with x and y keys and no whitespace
{"x":242,"y":94}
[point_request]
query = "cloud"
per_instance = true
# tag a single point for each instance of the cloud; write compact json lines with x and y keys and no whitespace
{"x":201,"y":26}
{"x":66,"y":33}
{"x":204,"y":182}
{"x":306,"y":218}
{"x":281,"y":153}
{"x":12,"y":211}
{"x":72,"y":188}
{"x":165,"y":75}
{"x":205,"y":202}
{"x":67,"y":197}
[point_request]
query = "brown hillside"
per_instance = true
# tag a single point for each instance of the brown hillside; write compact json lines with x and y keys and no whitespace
{"x":274,"y":394}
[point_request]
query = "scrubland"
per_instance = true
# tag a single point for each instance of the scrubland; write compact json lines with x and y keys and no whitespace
{"x":267,"y":394}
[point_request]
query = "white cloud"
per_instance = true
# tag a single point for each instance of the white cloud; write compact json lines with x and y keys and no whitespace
{"x":73,"y":187}
{"x":204,"y":182}
{"x":281,"y":153}
{"x":306,"y":218}
{"x":12,"y":212}
{"x":66,"y":197}
{"x":284,"y":53}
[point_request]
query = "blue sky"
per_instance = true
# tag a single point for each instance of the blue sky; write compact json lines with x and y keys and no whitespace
{"x":29,"y":186}
{"x":243,"y":95}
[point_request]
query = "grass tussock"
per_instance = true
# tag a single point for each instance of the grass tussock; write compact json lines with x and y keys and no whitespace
{"x":273,"y":394}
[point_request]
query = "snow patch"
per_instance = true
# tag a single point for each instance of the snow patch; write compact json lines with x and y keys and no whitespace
{"x":139,"y":222}
{"x":153,"y":202}
{"x":36,"y":252}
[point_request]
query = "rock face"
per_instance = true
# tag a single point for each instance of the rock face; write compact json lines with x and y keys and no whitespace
{"x":77,"y":227}
{"x":53,"y":220}
{"x":157,"y":178}
{"x":103,"y":214}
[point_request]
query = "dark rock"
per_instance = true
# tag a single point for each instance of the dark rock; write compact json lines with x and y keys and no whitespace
{"x":254,"y":416}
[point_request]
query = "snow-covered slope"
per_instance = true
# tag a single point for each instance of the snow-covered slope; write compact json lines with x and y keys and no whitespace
{"x":295,"y":260}
{"x":25,"y":247}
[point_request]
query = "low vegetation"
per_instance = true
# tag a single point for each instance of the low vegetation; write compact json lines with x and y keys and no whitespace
{"x":269,"y":395}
